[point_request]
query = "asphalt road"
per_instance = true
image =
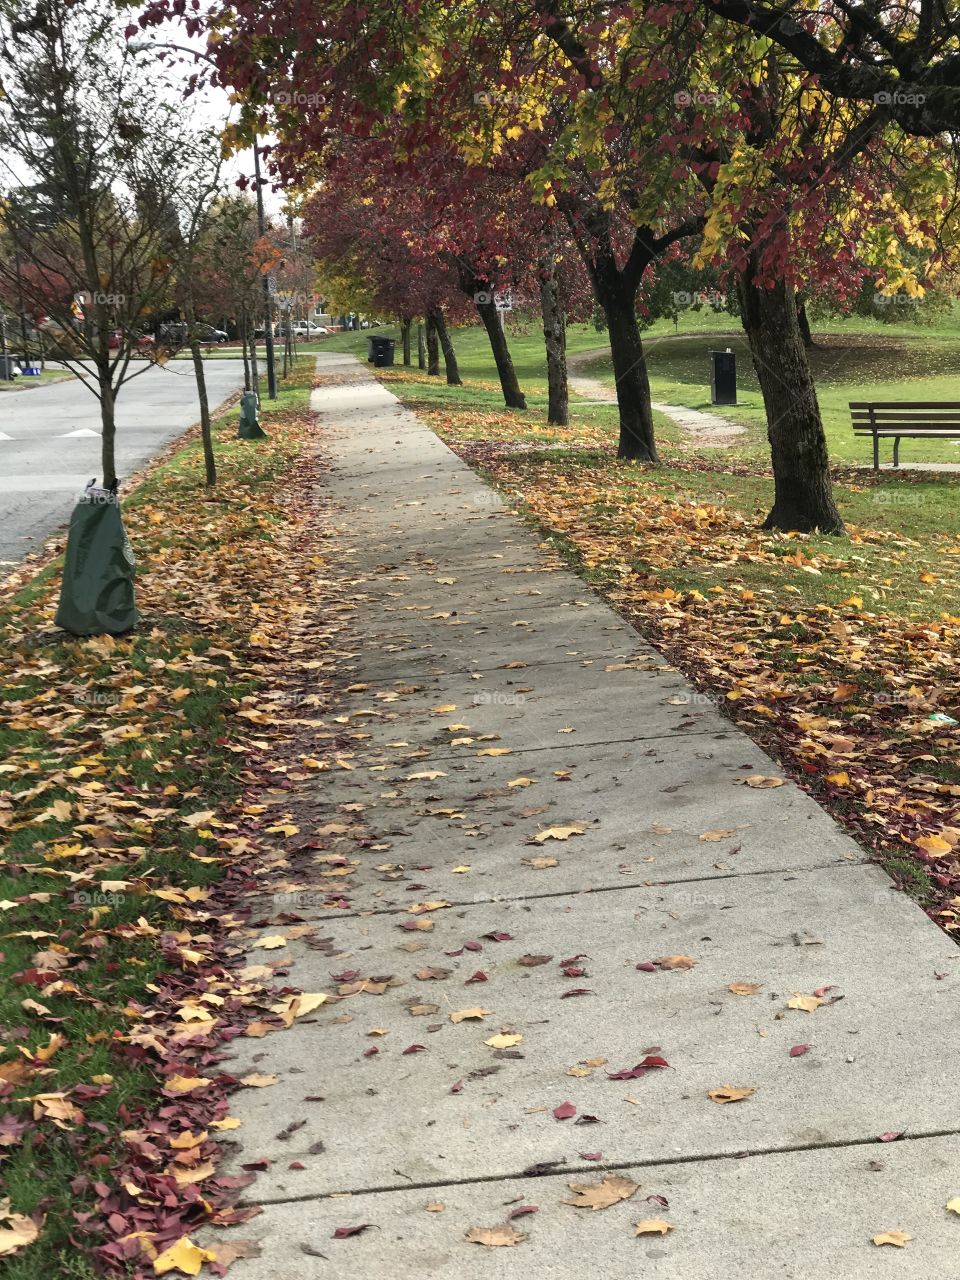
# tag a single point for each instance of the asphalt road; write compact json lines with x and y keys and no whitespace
{"x":50,"y":442}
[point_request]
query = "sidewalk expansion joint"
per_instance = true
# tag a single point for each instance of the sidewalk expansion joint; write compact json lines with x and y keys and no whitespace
{"x":579,"y":1170}
{"x":788,"y":873}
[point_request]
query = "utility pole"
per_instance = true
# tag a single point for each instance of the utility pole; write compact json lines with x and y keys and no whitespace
{"x":267,"y":298}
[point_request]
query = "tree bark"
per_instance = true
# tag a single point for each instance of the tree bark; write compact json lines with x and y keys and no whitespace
{"x":433,"y":348}
{"x":245,"y":338}
{"x":254,"y":368}
{"x":421,"y":352}
{"x":446,"y":346}
{"x":405,"y":326}
{"x":108,"y":424}
{"x":481,"y":294}
{"x":555,"y":340}
{"x":803,"y":497}
{"x":512,"y":395}
{"x":618,"y":299}
{"x":804,"y":323}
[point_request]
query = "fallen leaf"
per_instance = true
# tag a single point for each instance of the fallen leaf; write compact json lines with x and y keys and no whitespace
{"x":744,"y":988}
{"x":559,"y":833}
{"x":727,"y":1093}
{"x":462,"y":1014}
{"x":257,"y":1081}
{"x":271,"y":942}
{"x":807,"y":1003}
{"x":183,"y":1256}
{"x":675,"y":962}
{"x":564,"y":1111}
{"x":495,"y":1237}
{"x":503,"y":1041}
{"x":897,"y":1238}
{"x":600,"y":1195}
{"x":652,"y":1227}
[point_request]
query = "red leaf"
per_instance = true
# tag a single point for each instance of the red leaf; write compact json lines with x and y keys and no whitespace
{"x":342,"y":1233}
{"x":662,"y":1201}
{"x":799,"y":1050}
{"x":473,"y":946}
{"x":564,"y":1111}
{"x":573,"y":971}
{"x":522,"y":1209}
{"x":577,"y":991}
{"x":457,"y":1088}
{"x":479,"y":976}
{"x":368,"y":1053}
{"x":591,"y":1155}
{"x":296,"y":1165}
{"x":415,"y":1048}
{"x":647,"y":967}
{"x":498,"y":936}
{"x":890,"y":1137}
{"x":581,"y":955}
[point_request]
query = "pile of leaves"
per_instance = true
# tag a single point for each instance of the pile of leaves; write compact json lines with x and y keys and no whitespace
{"x":130,"y":834}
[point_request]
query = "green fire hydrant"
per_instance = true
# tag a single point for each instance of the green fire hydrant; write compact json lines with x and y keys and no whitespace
{"x":249,"y":428}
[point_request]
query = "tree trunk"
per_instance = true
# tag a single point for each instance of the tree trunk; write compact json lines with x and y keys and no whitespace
{"x":254,"y":368}
{"x":206,"y":435}
{"x":804,"y":324}
{"x":618,"y":300}
{"x":405,"y":327}
{"x":108,"y":426}
{"x":421,"y":353}
{"x":200,"y":375}
{"x":512,"y":395}
{"x":433,"y":348}
{"x":803,"y":498}
{"x":245,"y":341}
{"x":555,"y":339}
{"x":449,"y":355}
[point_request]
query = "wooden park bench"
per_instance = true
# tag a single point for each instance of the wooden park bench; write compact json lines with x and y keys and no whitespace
{"x":913,"y":419}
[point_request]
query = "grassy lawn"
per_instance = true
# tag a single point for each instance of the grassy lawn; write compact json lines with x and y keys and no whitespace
{"x":833,"y":652}
{"x":110,"y":748}
{"x":47,"y":375}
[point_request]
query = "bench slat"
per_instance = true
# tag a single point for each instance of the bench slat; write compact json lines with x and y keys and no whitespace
{"x":904,"y":404}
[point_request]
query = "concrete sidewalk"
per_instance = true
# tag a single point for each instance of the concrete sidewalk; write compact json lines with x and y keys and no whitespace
{"x":574,"y":812}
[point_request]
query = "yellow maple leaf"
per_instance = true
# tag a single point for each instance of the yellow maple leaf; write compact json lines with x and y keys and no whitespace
{"x":183,"y":1256}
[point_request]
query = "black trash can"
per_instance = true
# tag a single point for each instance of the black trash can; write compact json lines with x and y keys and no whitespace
{"x":723,"y":377}
{"x":383,"y":349}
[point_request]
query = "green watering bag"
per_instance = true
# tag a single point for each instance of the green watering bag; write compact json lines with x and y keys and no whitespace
{"x":249,"y":428}
{"x":96,"y":595}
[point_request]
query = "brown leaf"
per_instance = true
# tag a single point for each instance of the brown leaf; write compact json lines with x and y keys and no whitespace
{"x":600,"y":1195}
{"x":675,"y":962}
{"x":495,"y":1237}
{"x":897,"y":1238}
{"x":744,"y":988}
{"x":728,"y":1093}
{"x":652,"y":1227}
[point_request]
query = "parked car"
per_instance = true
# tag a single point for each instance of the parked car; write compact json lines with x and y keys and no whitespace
{"x":207,"y":333}
{"x":309,"y":329}
{"x":173,"y":334}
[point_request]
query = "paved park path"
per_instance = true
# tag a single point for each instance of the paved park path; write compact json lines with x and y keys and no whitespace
{"x":708,"y":430}
{"x":607,"y":888}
